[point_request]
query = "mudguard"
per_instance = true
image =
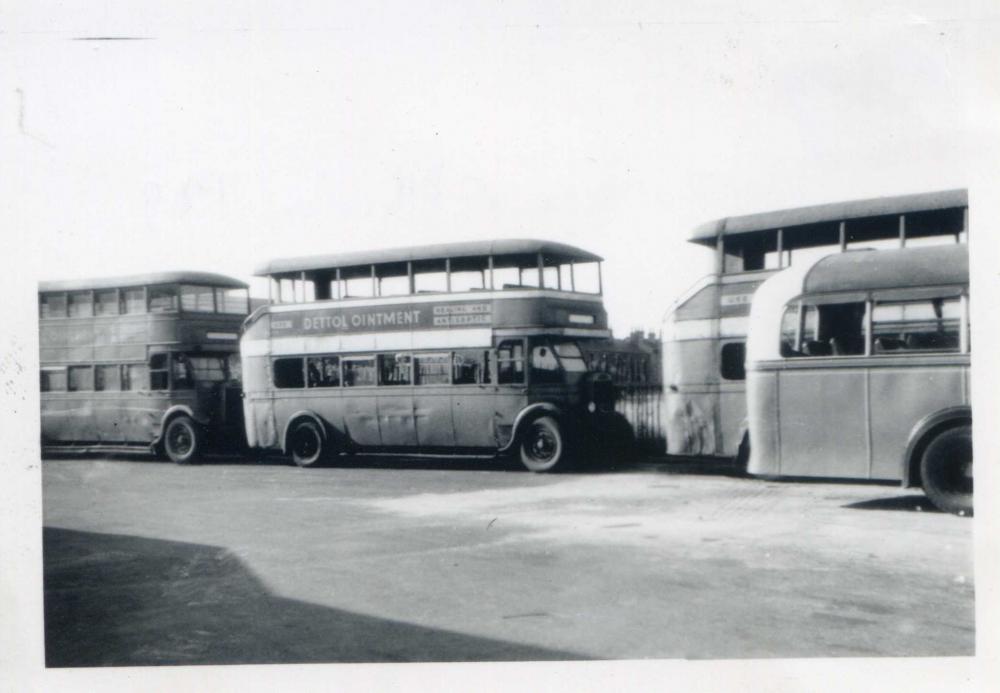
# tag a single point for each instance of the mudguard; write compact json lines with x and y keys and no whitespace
{"x":295,"y":418}
{"x":171,"y":413}
{"x":920,"y":435}
{"x":524,"y":416}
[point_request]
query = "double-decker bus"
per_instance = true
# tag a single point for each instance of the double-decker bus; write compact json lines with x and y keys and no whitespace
{"x":142,"y":362}
{"x":704,"y":333}
{"x":858,"y":367}
{"x":468,"y":348}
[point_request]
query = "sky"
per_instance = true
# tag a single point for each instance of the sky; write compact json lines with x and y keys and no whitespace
{"x":227,"y":134}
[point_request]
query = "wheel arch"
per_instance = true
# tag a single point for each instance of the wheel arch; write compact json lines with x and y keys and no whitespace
{"x":923,"y":433}
{"x":528,"y":414}
{"x":170,"y":414}
{"x":302,"y":415}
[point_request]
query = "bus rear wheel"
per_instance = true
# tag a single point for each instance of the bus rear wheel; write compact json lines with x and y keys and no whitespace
{"x":543,"y":446}
{"x":307,"y":445}
{"x":946,"y":470}
{"x":182,"y":440}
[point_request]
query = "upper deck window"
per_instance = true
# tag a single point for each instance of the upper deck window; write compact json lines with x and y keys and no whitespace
{"x":134,"y":300}
{"x":81,"y":304}
{"x":162,"y":299}
{"x":198,"y":299}
{"x":106,"y":302}
{"x":53,"y":306}
{"x":232,"y":301}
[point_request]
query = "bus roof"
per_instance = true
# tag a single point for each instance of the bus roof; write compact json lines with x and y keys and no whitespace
{"x":142,"y":280}
{"x":888,"y":269}
{"x":512,"y":246}
{"x":707,"y":233}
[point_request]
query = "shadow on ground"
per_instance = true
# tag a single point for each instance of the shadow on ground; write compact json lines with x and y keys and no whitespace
{"x":117,"y":600}
{"x":907,"y":503}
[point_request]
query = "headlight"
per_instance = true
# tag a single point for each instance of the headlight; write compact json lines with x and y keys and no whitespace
{"x":591,"y":407}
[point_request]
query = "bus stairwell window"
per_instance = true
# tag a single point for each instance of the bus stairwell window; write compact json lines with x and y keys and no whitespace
{"x":732,"y":361}
{"x":924,"y":325}
{"x":510,"y":362}
{"x":288,"y":373}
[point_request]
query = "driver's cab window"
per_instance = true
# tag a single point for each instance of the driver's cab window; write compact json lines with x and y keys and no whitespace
{"x":544,"y":364}
{"x":182,"y":372}
{"x":510,"y":362}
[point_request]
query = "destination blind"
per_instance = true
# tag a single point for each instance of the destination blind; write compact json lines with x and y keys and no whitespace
{"x":403,"y":317}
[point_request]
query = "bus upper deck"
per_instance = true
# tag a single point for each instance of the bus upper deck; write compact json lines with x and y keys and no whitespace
{"x":469,"y":346}
{"x":704,"y":333}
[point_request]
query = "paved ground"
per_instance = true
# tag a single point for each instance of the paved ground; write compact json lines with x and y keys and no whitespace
{"x":150,"y":563}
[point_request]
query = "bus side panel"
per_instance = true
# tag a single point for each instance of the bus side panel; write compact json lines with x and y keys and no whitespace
{"x":432,"y":409}
{"x":691,"y":398}
{"x":823,"y":419}
{"x":901,"y":396}
{"x":361,"y":416}
{"x":732,"y":414}
{"x":762,"y":412}
{"x":67,"y":417}
{"x":396,"y":424}
{"x":258,"y":414}
{"x":472,"y":414}
{"x":125,"y":417}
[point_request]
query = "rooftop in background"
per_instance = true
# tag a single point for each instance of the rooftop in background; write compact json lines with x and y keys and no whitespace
{"x":707,"y":233}
{"x":206,"y":278}
{"x":553,"y":252}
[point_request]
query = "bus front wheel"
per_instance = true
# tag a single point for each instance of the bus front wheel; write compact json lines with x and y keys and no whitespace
{"x":307,"y":445}
{"x":946,"y":470}
{"x":543,"y":447}
{"x":182,"y":440}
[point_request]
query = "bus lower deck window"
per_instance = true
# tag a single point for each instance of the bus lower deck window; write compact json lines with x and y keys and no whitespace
{"x":107,"y":378}
{"x":431,"y":369}
{"x":81,"y":378}
{"x":135,"y":376}
{"x":159,"y":373}
{"x":323,"y":371}
{"x":471,"y":366}
{"x":394,"y":369}
{"x":358,"y":371}
{"x":53,"y":380}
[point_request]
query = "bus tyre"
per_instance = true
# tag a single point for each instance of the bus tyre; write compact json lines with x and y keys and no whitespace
{"x":543,"y":446}
{"x":182,"y":441}
{"x":307,"y":445}
{"x":946,"y":470}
